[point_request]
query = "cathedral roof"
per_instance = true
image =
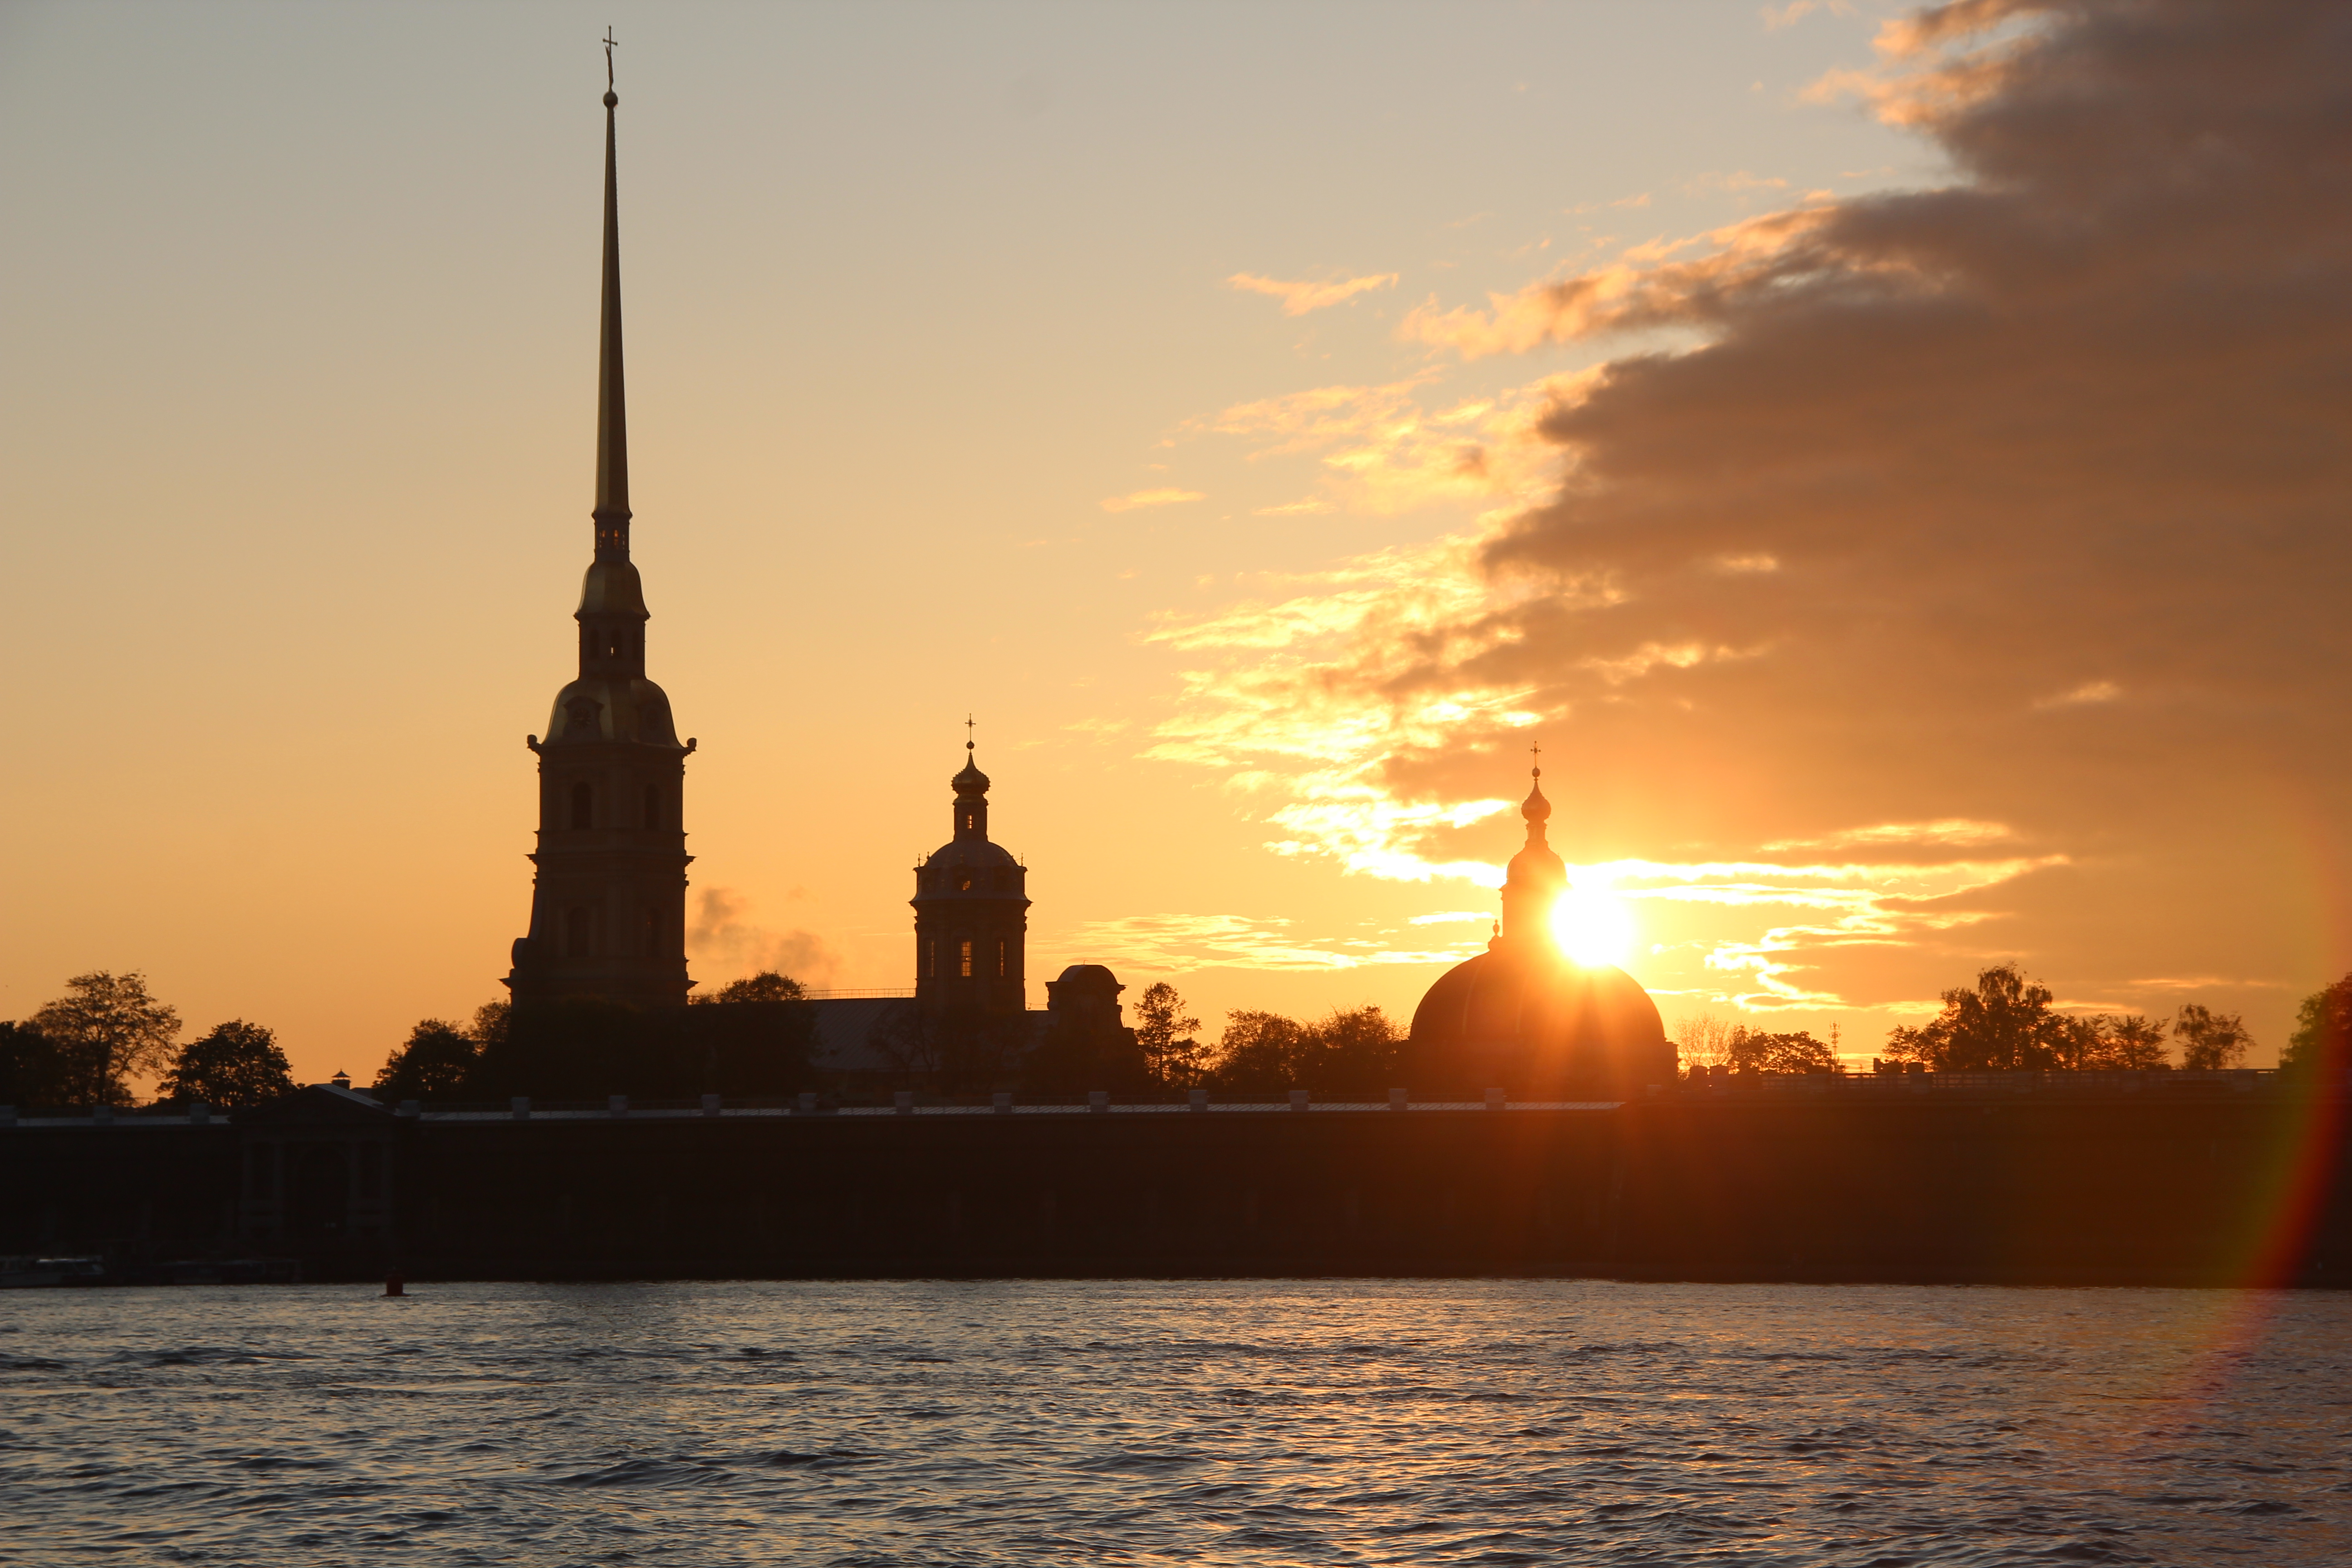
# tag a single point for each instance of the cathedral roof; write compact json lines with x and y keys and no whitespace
{"x":1525,"y":1016}
{"x":600,"y":707}
{"x":962,"y":851}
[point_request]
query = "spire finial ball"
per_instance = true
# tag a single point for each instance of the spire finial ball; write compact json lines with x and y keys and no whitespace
{"x":610,"y":98}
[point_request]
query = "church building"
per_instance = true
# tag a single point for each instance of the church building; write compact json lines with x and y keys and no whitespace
{"x":972,"y":914}
{"x":608,"y":895}
{"x":1523,"y":1016}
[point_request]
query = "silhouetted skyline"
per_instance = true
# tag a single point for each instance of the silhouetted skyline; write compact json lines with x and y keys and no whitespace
{"x":1905,"y":504}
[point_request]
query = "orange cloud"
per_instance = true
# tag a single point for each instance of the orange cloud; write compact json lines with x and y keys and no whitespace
{"x":1167,"y":495}
{"x":1307,"y":294}
{"x":1836,"y":542}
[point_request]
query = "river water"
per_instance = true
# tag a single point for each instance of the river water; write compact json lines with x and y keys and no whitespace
{"x":1290,"y":1422}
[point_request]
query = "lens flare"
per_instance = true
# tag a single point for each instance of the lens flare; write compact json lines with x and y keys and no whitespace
{"x":1593,"y":927}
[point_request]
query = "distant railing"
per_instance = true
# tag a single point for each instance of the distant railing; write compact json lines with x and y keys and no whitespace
{"x":854,"y":994}
{"x":1699,"y":1087}
{"x":2061,"y":1080}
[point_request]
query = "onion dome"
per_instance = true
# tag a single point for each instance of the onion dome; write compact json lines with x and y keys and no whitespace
{"x":970,"y":781}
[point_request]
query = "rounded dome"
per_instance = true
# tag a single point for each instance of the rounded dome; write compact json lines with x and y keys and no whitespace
{"x":1524,"y":1017}
{"x":1089,"y":976}
{"x":595,"y":708}
{"x":976,"y":853}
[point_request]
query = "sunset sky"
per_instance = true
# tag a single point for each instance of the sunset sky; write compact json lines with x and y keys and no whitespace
{"x":1897,"y":469}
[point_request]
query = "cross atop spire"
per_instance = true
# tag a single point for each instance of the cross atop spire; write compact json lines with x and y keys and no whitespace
{"x":610,"y":44}
{"x":968,"y":728}
{"x":1535,"y":749}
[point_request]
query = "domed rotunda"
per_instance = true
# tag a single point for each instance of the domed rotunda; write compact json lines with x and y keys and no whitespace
{"x":1523,"y":1016}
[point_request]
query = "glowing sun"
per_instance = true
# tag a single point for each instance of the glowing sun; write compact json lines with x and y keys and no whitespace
{"x":1593,"y":928}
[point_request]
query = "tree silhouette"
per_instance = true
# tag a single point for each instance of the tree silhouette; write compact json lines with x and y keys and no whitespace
{"x":1702,"y":1039}
{"x":2210,"y":1040}
{"x":1259,"y":1052}
{"x":2004,"y":1023}
{"x":2322,"y":1041}
{"x":236,"y":1064}
{"x":107,"y":1027}
{"x":765,"y":986}
{"x":433,"y":1064}
{"x":1352,"y":1051}
{"x":1757,"y":1050}
{"x":2096,"y":1041}
{"x":1164,"y":1031}
{"x":33,"y":1069}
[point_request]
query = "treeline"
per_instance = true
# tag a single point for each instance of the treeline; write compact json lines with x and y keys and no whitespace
{"x":751,"y":1039}
{"x":756,"y":1037}
{"x":2006,"y":1022}
{"x":1356,"y":1051}
{"x":87,"y":1046}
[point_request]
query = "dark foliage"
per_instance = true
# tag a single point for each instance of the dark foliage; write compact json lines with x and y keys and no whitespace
{"x":1173,"y":1056}
{"x":2322,"y":1041}
{"x":1757,"y":1050}
{"x":583,"y":1049}
{"x":765,"y":986}
{"x":1259,"y":1052}
{"x":35,"y":1069}
{"x":2004,"y":1024}
{"x":2210,"y":1041}
{"x":1353,"y":1051}
{"x":107,"y":1029}
{"x":433,"y":1064}
{"x":2108,"y":1042}
{"x":236,"y":1064}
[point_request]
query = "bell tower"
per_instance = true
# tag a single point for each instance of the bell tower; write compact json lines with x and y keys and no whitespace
{"x":972,"y":914}
{"x":608,"y":897}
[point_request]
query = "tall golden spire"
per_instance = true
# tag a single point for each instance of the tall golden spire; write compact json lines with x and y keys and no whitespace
{"x":611,"y":511}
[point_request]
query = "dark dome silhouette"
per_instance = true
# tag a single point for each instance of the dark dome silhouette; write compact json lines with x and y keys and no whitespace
{"x":1523,"y":1016}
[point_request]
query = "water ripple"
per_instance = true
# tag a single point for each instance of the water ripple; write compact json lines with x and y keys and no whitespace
{"x":1287,"y":1423}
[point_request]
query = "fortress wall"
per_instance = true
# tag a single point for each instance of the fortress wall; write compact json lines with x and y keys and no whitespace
{"x":1946,"y":1188}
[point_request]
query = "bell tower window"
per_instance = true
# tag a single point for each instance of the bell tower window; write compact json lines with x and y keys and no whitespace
{"x":653,"y":806}
{"x":1000,"y":958}
{"x":583,"y":805}
{"x":963,"y":966}
{"x":579,"y":931}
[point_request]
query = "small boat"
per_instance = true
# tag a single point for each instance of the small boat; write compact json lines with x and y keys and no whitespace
{"x":29,"y":1273}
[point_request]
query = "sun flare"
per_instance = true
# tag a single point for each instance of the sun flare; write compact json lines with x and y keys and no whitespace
{"x":1593,"y":928}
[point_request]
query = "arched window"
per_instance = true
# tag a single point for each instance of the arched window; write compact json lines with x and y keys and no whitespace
{"x":969,"y":818}
{"x":931,"y":958}
{"x":963,"y":966}
{"x":653,"y":806}
{"x":583,"y":805}
{"x":1000,"y":958}
{"x":579,"y":931}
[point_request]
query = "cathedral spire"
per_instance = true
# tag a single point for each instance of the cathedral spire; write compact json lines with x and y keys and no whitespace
{"x":611,"y":511}
{"x":608,"y":895}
